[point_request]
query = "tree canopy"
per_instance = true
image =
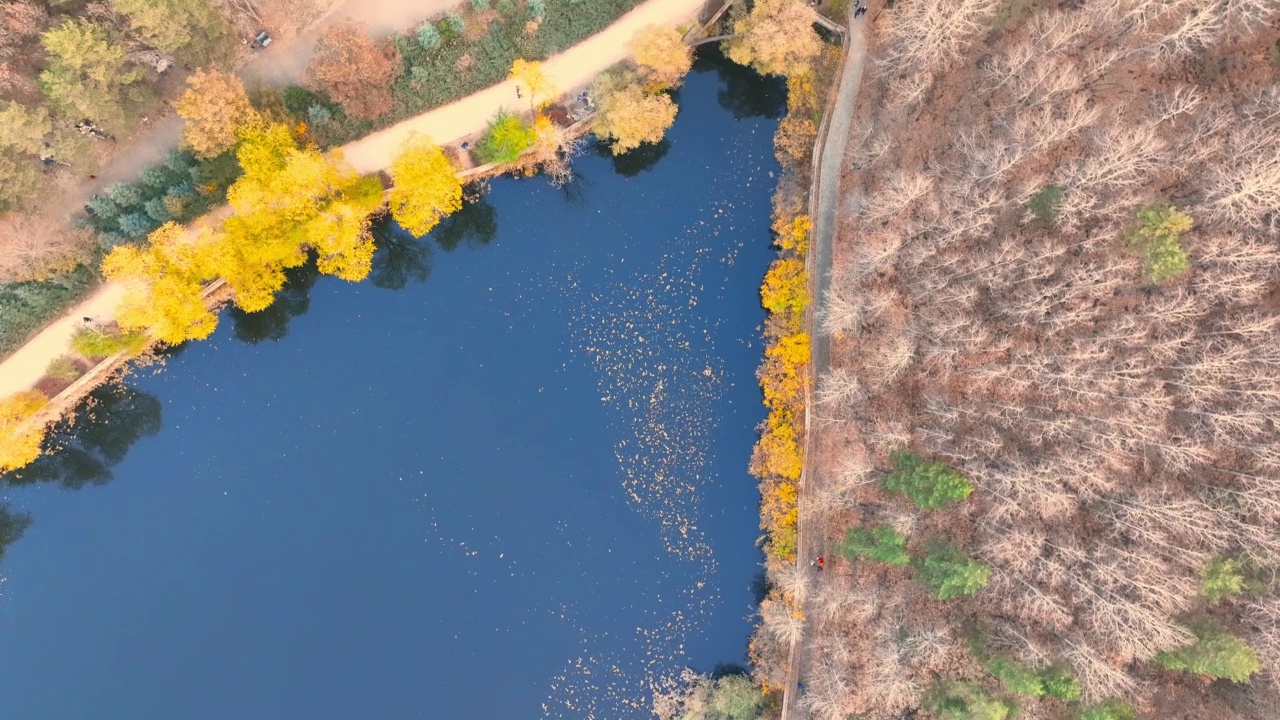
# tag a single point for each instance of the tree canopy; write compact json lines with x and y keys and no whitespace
{"x":355,"y":71}
{"x":215,"y":106}
{"x":88,"y":75}
{"x":776,"y":38}
{"x":662,"y":55}
{"x":426,"y":187}
{"x":629,"y":116}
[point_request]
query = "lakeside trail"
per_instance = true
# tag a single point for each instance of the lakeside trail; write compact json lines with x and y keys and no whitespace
{"x":825,"y":199}
{"x":572,"y":68}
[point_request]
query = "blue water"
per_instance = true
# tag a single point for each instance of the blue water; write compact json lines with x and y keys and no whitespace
{"x":506,"y":478}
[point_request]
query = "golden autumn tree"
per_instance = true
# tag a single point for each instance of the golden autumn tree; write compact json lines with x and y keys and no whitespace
{"x":785,"y":287}
{"x":776,"y":38}
{"x":531,"y":77}
{"x":215,"y":105}
{"x":19,"y":440}
{"x":426,"y":187}
{"x":290,"y":200}
{"x":628,"y":115}
{"x":163,"y":281}
{"x":662,"y":55}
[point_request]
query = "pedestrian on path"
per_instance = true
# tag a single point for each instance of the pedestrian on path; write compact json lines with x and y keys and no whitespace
{"x":518,"y":93}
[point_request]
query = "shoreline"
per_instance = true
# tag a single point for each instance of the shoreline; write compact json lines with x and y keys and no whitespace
{"x":24,"y":368}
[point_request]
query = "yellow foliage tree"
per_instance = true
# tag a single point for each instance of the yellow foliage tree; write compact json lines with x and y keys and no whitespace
{"x":530,"y":75}
{"x":291,"y":199}
{"x":426,"y":187}
{"x":163,"y":285}
{"x":785,"y":287}
{"x":20,"y":442}
{"x":792,"y":350}
{"x":792,"y":235}
{"x":341,"y":237}
{"x":776,"y":38}
{"x":662,"y":55}
{"x":215,"y":107}
{"x":628,"y":115}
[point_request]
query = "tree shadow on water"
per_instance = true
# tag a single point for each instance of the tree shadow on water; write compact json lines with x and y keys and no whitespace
{"x":630,"y":164}
{"x":400,"y":258}
{"x":82,"y":450}
{"x":743,"y":92}
{"x":476,"y":224}
{"x":272,"y":323}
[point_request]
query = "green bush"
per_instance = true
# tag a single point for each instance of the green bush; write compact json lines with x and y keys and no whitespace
{"x":967,"y":701}
{"x":881,"y":544}
{"x":930,"y":485}
{"x":92,"y":343}
{"x":64,"y":368}
{"x":428,"y":37}
{"x":505,"y":139}
{"x":1159,"y":238}
{"x":479,"y":5}
{"x":1215,"y":653}
{"x":1046,"y":204}
{"x":1226,"y":577}
{"x":949,"y":573}
{"x":506,"y":7}
{"x":454,"y":24}
{"x":124,"y":195}
{"x":1017,"y":678}
{"x":25,"y":307}
{"x":1109,"y":710}
{"x":1060,"y":683}
{"x":537,"y":9}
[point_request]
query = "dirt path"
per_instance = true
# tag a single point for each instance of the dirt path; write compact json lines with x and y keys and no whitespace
{"x":572,"y":68}
{"x":569,"y":70}
{"x":826,"y":202}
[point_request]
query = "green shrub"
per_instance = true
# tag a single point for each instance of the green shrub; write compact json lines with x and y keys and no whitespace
{"x":881,"y":544}
{"x":949,"y":573}
{"x":1226,"y":577}
{"x":103,"y":207}
{"x":1215,"y":653}
{"x":136,"y":225}
{"x":92,"y":343}
{"x":124,"y":195}
{"x":505,"y":139}
{"x":506,"y":7}
{"x":64,"y":368}
{"x":1109,"y":710}
{"x":1054,"y":681}
{"x":1060,"y":683}
{"x":25,"y":307}
{"x":1159,"y":238}
{"x":479,"y":5}
{"x":1046,"y":204}
{"x":1016,"y":677}
{"x":428,"y":37}
{"x":930,"y":485}
{"x":967,"y":701}
{"x":537,"y":9}
{"x":454,"y":24}
{"x":154,"y":177}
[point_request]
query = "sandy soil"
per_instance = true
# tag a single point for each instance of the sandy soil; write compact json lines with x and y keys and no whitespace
{"x":571,"y":69}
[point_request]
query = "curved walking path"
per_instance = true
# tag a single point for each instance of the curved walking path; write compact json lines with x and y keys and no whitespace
{"x":824,"y":203}
{"x":572,"y":68}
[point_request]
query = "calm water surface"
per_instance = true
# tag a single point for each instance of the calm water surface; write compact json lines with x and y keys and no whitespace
{"x":504,"y":478}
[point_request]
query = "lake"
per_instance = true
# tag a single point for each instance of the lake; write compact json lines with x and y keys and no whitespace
{"x":505,"y":477}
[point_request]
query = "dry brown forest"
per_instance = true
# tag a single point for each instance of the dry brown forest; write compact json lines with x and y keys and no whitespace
{"x":1056,"y":272}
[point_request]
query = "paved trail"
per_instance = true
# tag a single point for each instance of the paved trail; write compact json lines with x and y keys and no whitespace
{"x":826,"y":203}
{"x":572,"y":68}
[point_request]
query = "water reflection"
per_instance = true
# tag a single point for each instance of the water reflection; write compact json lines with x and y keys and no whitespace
{"x":743,"y":92}
{"x":12,"y":525}
{"x":630,"y":164}
{"x":272,"y":323}
{"x":400,"y":258}
{"x":82,"y":450}
{"x":476,"y":223}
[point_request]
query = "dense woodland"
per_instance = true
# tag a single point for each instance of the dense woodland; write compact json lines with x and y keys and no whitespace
{"x":1046,"y":453}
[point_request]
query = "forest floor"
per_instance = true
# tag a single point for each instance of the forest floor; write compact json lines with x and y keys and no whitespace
{"x":570,"y":69}
{"x":826,"y":207}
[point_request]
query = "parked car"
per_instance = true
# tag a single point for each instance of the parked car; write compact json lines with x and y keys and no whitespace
{"x":262,"y":40}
